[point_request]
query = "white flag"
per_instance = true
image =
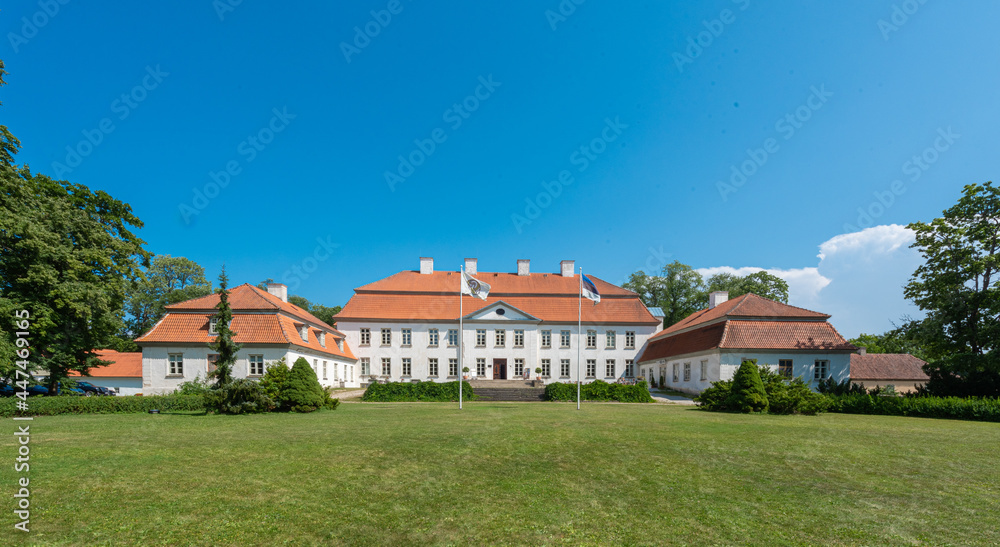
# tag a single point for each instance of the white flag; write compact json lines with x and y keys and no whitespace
{"x":474,"y":287}
{"x":590,"y":290}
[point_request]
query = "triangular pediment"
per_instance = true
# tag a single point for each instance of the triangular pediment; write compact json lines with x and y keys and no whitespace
{"x":499,"y":312}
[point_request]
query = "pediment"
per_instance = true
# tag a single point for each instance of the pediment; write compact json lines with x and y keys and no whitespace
{"x":499,"y":312}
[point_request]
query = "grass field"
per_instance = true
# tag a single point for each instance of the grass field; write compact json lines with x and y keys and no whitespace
{"x":405,"y":474}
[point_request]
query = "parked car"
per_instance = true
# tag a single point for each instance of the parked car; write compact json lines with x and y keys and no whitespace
{"x":90,"y":389}
{"x":37,"y":389}
{"x":69,"y":389}
{"x":6,"y":390}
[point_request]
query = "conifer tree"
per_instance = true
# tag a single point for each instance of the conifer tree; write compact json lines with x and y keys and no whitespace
{"x":748,"y":394}
{"x":224,"y":344}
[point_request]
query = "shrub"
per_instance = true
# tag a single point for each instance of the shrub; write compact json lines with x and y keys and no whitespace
{"x":599,"y":390}
{"x":238,"y":396}
{"x":716,"y":397}
{"x":198,"y":386}
{"x":69,"y":404}
{"x":302,"y":392}
{"x":747,"y":393}
{"x":391,"y":392}
{"x":783,"y":396}
{"x":328,"y":401}
{"x":845,"y":387}
{"x":972,"y":408}
{"x":274,"y":379}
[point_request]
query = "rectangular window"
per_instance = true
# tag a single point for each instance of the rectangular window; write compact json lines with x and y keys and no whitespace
{"x":546,"y":339}
{"x":591,"y":368}
{"x":546,"y":368}
{"x":366,"y":337}
{"x":785,"y":367}
{"x":629,"y":368}
{"x":366,"y":366}
{"x":519,"y":338}
{"x":386,"y":366}
{"x":432,"y":338}
{"x":453,"y":368}
{"x":564,"y":338}
{"x":609,"y":341}
{"x":822,"y":370}
{"x":629,"y":339}
{"x":432,"y":368}
{"x":704,"y":371}
{"x":519,"y":367}
{"x":677,"y":368}
{"x":591,"y":339}
{"x":386,"y":337}
{"x":480,"y":338}
{"x":304,"y":333}
{"x":407,"y":368}
{"x":336,"y":371}
{"x":480,"y":366}
{"x":324,"y":370}
{"x":452,"y":338}
{"x":687,"y":372}
{"x":500,"y":339}
{"x":322,"y":339}
{"x":256,"y":365}
{"x":609,"y":368}
{"x":564,"y":368}
{"x":176,"y":367}
{"x":407,"y":337}
{"x":212,"y":323}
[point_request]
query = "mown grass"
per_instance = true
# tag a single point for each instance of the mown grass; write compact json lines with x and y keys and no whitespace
{"x":495,"y":473}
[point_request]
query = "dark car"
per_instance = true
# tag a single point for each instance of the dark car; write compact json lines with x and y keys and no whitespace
{"x":69,"y":390}
{"x":90,"y":389}
{"x":6,"y":390}
{"x":37,"y":389}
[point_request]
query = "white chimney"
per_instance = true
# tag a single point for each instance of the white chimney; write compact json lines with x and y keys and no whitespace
{"x":278,"y":289}
{"x":716,"y":298}
{"x":470,"y":266}
{"x":862,"y":351}
{"x":426,"y":265}
{"x":523,"y":266}
{"x":567,"y":268}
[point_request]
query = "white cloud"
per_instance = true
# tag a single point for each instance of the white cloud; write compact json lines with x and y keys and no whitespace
{"x":876,"y":240}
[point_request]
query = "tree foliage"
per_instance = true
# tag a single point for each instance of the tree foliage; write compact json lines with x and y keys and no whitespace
{"x":760,"y":283}
{"x":302,"y":392}
{"x":224,"y":345}
{"x":907,"y":338}
{"x":168,"y":280}
{"x":748,"y":394}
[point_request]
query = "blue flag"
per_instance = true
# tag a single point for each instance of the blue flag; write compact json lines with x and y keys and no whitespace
{"x":590,"y":290}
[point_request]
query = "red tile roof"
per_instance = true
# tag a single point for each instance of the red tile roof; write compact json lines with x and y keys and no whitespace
{"x":748,"y":306}
{"x":248,"y":297}
{"x":123,"y":365}
{"x":887,"y":366}
{"x":411,"y":296}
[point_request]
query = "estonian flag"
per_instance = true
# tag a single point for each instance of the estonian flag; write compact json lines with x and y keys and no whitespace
{"x":590,"y":291}
{"x":474,"y":287}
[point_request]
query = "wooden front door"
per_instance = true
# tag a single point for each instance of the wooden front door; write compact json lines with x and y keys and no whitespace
{"x":499,"y":369}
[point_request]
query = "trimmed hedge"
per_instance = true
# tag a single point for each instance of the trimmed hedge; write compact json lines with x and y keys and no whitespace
{"x":396,"y":392}
{"x":952,"y":408}
{"x":66,"y":404}
{"x":599,"y":390}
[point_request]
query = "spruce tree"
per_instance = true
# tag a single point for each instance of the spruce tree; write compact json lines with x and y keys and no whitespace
{"x":302,"y":392}
{"x":224,"y":344}
{"x":748,"y":394}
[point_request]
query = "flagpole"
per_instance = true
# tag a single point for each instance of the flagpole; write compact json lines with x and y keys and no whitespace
{"x":461,"y":333}
{"x":579,"y":342}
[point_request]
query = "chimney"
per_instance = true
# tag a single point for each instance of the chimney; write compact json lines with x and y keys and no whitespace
{"x":278,"y":289}
{"x":862,"y":351}
{"x":716,"y":298}
{"x":523,"y":266}
{"x":426,"y":265}
{"x":470,"y":266}
{"x":566,"y":267}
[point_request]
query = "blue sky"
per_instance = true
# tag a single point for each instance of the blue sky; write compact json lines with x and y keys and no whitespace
{"x":601,"y":132}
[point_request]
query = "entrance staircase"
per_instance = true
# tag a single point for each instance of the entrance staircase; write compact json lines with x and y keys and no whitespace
{"x":507,"y":390}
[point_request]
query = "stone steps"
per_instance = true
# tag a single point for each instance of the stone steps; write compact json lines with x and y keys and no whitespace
{"x":523,"y":394}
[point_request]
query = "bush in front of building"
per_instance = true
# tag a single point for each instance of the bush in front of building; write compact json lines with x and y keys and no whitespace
{"x":980,"y":409}
{"x":301,"y":391}
{"x":398,"y":392}
{"x":747,"y":393}
{"x":274,"y":379}
{"x":239,"y":396}
{"x":783,"y":396}
{"x":66,"y":404}
{"x":599,"y":390}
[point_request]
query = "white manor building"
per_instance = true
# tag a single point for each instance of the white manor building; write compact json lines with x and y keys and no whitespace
{"x":406,"y":327}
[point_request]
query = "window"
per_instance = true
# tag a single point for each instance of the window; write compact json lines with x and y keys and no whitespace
{"x":629,"y":339}
{"x":519,"y":367}
{"x":591,"y":368}
{"x":564,"y":368}
{"x":256,"y":365}
{"x":821,"y":370}
{"x":500,"y":339}
{"x":349,"y":373}
{"x":546,"y":339}
{"x":324,"y":370}
{"x":629,"y":368}
{"x":176,"y":367}
{"x":407,"y":368}
{"x":407,"y":337}
{"x":322,"y":339}
{"x":212,"y":359}
{"x":677,"y":368}
{"x":785,"y":367}
{"x":386,"y":337}
{"x":366,"y":366}
{"x":452,"y":367}
{"x":591,"y":339}
{"x":432,"y":338}
{"x":336,"y":371}
{"x":386,"y":366}
{"x":609,"y":339}
{"x":564,"y":339}
{"x":212,"y":323}
{"x":366,"y":337}
{"x":480,"y":338}
{"x":687,"y":372}
{"x":704,"y":371}
{"x":316,"y":367}
{"x":519,"y":338}
{"x":304,"y":333}
{"x":340,"y":344}
{"x":452,"y":338}
{"x":480,"y":367}
{"x":546,"y":368}
{"x":609,"y":368}
{"x":432,"y":368}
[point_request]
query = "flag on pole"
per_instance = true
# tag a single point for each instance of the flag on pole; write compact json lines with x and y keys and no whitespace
{"x":474,"y":287}
{"x":590,"y":290}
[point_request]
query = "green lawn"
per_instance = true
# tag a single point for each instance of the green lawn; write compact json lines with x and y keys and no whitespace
{"x":427,"y":473}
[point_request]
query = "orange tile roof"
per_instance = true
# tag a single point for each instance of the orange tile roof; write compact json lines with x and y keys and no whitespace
{"x":887,"y":366}
{"x":248,"y":297}
{"x":123,"y":365}
{"x":501,"y":284}
{"x":748,"y":306}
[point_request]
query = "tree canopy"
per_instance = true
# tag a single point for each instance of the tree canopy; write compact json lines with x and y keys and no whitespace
{"x":168,"y":280}
{"x":760,"y":283}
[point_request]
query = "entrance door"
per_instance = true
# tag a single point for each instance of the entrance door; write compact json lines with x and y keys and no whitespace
{"x":499,"y":369}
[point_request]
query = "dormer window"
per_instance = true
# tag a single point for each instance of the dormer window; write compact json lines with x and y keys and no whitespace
{"x":340,"y":344}
{"x":211,"y":326}
{"x":322,"y":339}
{"x":304,"y":333}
